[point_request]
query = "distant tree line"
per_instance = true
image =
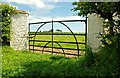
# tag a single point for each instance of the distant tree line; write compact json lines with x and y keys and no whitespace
{"x":51,"y":30}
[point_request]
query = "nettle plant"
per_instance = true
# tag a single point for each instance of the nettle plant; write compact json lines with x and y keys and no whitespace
{"x":6,"y":11}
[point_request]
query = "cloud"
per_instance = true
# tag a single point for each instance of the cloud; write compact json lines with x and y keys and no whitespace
{"x":61,"y":0}
{"x":43,"y":19}
{"x":34,"y":3}
{"x":52,"y":0}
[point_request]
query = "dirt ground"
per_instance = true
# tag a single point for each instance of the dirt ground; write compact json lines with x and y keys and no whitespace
{"x":57,"y":50}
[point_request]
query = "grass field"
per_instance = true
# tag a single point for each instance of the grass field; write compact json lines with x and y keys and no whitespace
{"x":60,"y":38}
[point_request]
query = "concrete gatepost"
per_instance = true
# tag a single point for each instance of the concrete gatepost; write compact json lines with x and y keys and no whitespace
{"x":19,"y":31}
{"x":95,"y":26}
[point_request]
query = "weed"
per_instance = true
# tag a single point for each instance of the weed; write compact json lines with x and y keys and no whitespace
{"x":28,"y":65}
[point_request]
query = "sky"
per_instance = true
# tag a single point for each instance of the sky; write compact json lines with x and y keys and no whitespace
{"x":48,"y":10}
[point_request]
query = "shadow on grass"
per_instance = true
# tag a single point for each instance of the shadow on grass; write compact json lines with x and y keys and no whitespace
{"x":60,"y":67}
{"x":56,"y":66}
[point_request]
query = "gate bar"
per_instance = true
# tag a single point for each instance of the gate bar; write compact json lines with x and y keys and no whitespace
{"x":86,"y":31}
{"x":52,"y":36}
{"x":56,"y":41}
{"x":56,"y":34}
{"x":60,"y":21}
{"x":29,"y":36}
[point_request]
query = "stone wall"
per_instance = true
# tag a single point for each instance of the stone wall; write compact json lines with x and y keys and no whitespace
{"x":19,"y":29}
{"x":95,"y":26}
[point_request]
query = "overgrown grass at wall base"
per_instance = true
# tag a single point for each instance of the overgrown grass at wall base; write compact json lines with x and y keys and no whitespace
{"x":109,"y":58}
{"x":28,"y":65}
{"x":0,"y":61}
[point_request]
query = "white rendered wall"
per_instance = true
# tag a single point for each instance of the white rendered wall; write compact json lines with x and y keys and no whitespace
{"x":95,"y":26}
{"x":19,"y":29}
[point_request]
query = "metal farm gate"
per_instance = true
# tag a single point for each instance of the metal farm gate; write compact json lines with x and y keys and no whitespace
{"x":33,"y":39}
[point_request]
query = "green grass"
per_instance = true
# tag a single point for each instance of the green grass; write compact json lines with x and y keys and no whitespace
{"x":68,"y":38}
{"x":24,"y":64}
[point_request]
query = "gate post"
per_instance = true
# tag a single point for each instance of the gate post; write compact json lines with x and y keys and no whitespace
{"x":19,"y":31}
{"x":95,"y":26}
